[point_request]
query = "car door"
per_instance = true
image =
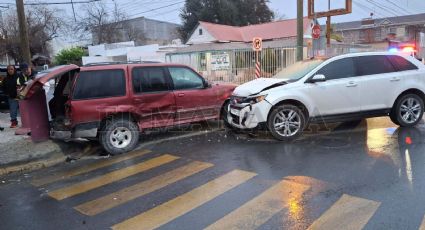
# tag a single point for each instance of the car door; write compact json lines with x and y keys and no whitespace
{"x":153,"y":98}
{"x":195,"y":101}
{"x":339,"y":94}
{"x":379,"y":82}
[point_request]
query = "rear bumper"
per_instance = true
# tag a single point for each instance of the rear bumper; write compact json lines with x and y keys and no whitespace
{"x":248,"y":116}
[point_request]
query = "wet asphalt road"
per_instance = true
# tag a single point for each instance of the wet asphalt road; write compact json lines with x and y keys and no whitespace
{"x":360,"y":175}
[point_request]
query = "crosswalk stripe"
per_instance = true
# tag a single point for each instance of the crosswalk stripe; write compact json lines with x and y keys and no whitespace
{"x":348,"y":212}
{"x":422,"y":227}
{"x":102,"y":204}
{"x":259,"y":210}
{"x":85,"y":169}
{"x":108,"y":178}
{"x":180,"y":205}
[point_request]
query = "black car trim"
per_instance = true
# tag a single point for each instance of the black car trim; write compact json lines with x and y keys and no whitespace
{"x":350,"y":116}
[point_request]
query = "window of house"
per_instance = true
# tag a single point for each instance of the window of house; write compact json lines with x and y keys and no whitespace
{"x":362,"y":35}
{"x":378,"y":34}
{"x":150,"y":79}
{"x":200,"y":32}
{"x":100,"y":84}
{"x":393,"y":30}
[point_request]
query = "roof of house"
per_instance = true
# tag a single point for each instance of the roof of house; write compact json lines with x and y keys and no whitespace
{"x":267,"y":31}
{"x":415,"y":18}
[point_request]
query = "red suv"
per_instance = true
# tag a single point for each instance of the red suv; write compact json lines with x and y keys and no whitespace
{"x":113,"y":103}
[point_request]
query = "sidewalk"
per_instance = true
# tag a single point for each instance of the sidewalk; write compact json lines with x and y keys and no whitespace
{"x":19,"y":153}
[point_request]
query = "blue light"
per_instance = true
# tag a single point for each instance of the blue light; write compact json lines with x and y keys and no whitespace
{"x":393,"y":50}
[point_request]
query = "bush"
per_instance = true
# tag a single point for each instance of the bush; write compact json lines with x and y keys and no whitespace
{"x":70,"y":56}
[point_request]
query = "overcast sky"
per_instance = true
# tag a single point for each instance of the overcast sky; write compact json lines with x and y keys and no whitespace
{"x":168,"y":10}
{"x":361,"y":8}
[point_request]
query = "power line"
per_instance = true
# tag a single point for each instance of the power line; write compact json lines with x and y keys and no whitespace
{"x":158,"y":8}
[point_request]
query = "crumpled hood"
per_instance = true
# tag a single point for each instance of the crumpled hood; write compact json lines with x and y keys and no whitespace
{"x":256,"y":86}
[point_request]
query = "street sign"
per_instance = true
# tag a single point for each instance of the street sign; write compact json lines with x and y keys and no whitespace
{"x":257,"y":44}
{"x":315,"y":32}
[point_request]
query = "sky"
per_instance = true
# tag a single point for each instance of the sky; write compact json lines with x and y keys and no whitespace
{"x":168,"y":10}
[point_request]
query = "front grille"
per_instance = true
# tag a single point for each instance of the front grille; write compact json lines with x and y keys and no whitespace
{"x":235,"y":118}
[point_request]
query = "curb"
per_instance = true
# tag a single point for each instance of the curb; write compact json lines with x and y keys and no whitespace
{"x":26,"y":167}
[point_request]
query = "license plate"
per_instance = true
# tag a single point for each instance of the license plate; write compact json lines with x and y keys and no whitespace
{"x":235,"y":112}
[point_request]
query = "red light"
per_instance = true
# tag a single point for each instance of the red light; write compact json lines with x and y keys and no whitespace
{"x":409,"y":141}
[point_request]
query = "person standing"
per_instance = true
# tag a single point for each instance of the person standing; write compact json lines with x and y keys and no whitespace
{"x":10,"y":87}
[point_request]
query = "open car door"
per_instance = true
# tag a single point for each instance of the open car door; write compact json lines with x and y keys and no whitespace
{"x":44,"y":76}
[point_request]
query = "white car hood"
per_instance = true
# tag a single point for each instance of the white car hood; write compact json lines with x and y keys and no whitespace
{"x":255,"y":86}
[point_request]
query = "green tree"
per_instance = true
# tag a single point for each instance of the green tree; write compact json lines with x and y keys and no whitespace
{"x":227,"y":12}
{"x":70,"y":56}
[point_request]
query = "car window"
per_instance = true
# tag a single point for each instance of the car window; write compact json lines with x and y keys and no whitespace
{"x":150,"y":79}
{"x":342,"y":68}
{"x":401,"y":63}
{"x":184,"y":78}
{"x":377,"y":64}
{"x":100,"y":84}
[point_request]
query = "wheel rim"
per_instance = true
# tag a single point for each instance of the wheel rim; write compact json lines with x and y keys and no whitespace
{"x":287,"y":122}
{"x":120,"y":137}
{"x":410,"y":110}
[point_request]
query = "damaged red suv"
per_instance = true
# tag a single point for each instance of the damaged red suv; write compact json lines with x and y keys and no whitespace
{"x":113,"y":103}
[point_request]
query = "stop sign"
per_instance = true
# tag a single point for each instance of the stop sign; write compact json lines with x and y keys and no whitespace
{"x":315,"y":32}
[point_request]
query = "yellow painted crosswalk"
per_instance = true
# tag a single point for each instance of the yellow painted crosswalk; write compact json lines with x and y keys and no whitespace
{"x":180,"y":205}
{"x":259,"y":210}
{"x":284,"y":196}
{"x":348,"y":212}
{"x":87,"y":168}
{"x":422,"y":227}
{"x":108,"y":178}
{"x":117,"y":198}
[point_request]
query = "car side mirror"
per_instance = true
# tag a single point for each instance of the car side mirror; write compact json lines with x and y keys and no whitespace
{"x":318,"y":78}
{"x":207,"y":84}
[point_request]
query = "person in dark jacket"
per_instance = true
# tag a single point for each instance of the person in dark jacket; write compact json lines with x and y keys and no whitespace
{"x":10,"y":86}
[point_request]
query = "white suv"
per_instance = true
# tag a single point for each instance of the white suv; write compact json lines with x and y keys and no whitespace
{"x":345,"y":87}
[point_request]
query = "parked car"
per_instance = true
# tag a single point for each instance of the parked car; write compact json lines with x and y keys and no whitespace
{"x":3,"y":97}
{"x":113,"y":103}
{"x":345,"y":87}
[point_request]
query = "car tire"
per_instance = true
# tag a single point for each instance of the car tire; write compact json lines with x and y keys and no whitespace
{"x":393,"y":117}
{"x":409,"y":110}
{"x":279,"y":122}
{"x":119,"y":136}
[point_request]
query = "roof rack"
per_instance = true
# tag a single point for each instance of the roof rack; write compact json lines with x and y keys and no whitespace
{"x":120,"y":63}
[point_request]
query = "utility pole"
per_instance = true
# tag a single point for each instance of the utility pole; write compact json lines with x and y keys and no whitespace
{"x":300,"y":30}
{"x":25,"y":45}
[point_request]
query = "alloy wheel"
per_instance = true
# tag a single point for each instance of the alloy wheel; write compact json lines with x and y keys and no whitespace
{"x":410,"y":110}
{"x":287,"y":122}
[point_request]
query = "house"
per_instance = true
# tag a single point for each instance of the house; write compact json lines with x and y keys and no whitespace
{"x":206,"y":32}
{"x":380,"y":31}
{"x":128,"y":51}
{"x":143,"y":31}
{"x":224,"y":53}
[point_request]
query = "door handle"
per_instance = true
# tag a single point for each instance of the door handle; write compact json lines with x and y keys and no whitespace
{"x":138,"y":100}
{"x":395,"y":79}
{"x":180,"y":95}
{"x":351,"y":84}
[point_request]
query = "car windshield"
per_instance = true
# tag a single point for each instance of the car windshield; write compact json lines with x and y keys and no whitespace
{"x":297,"y":70}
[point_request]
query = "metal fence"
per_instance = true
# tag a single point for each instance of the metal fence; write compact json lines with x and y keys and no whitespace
{"x":238,"y":66}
